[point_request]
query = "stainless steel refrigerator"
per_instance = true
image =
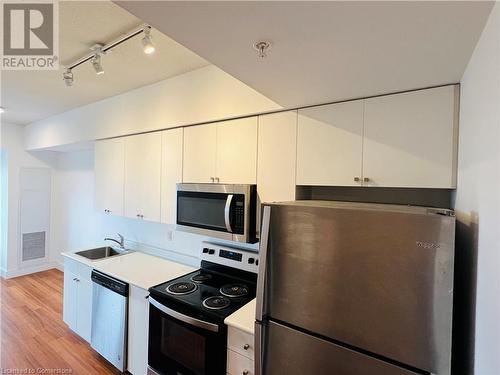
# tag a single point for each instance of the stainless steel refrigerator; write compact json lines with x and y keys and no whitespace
{"x":354,"y":289}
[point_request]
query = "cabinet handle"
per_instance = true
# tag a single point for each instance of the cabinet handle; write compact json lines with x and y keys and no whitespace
{"x":357,"y":179}
{"x":217,"y":179}
{"x":212,"y":179}
{"x":366,"y":179}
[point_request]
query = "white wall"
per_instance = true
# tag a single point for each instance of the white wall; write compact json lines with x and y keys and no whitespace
{"x":203,"y":95}
{"x":478,"y":193}
{"x":12,"y":145}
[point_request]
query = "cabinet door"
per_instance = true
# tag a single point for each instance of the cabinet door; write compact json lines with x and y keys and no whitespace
{"x":70,"y":307}
{"x":143,"y":176}
{"x":410,"y":139}
{"x":109,"y":168}
{"x":237,"y":151}
{"x":277,"y":150}
{"x":84,"y":314}
{"x":330,"y":144}
{"x":138,"y":326}
{"x":171,"y":173}
{"x":199,"y":153}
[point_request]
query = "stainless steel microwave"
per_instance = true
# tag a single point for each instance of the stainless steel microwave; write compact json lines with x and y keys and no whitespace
{"x":222,"y":211}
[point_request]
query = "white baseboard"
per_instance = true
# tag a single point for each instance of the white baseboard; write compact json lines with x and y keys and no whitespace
{"x":6,"y":274}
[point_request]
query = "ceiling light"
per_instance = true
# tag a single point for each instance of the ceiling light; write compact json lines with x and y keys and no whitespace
{"x":96,"y":63}
{"x":2,"y":109}
{"x":68,"y":77}
{"x":147,"y":43}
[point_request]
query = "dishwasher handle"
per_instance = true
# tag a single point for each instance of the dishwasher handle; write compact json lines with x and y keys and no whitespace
{"x":110,"y":283}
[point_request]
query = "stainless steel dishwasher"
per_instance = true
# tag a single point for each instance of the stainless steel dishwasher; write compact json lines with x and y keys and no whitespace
{"x":109,"y":318}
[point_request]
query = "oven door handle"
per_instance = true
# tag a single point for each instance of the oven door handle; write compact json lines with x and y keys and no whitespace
{"x":184,"y":318}
{"x":227,"y":211}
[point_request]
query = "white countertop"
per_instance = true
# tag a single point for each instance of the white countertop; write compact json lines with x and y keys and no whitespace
{"x":244,"y":318}
{"x":136,"y":268}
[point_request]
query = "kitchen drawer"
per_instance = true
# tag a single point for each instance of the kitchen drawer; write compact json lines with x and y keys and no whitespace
{"x":241,"y":342}
{"x":80,"y":270}
{"x":238,"y":364}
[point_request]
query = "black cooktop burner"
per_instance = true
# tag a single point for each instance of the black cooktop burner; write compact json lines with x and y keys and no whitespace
{"x":216,"y":302}
{"x":201,"y":277}
{"x":181,"y":288}
{"x":200,"y":293}
{"x":234,"y":290}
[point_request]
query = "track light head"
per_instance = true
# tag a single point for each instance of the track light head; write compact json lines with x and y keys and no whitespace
{"x":147,"y":43}
{"x":96,"y":63}
{"x":68,"y":77}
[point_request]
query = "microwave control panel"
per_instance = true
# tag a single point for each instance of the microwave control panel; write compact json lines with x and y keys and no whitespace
{"x":238,"y":214}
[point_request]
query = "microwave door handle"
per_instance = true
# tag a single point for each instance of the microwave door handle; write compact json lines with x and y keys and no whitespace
{"x":184,"y":318}
{"x":227,"y":211}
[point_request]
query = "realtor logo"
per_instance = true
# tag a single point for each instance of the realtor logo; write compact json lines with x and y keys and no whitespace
{"x":29,"y":35}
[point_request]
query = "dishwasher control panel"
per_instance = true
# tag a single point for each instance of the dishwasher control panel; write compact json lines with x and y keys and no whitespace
{"x":110,"y":283}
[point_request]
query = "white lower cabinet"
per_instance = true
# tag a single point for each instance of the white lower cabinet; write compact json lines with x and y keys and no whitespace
{"x":77,"y":306}
{"x":138,"y":322}
{"x":240,"y":352}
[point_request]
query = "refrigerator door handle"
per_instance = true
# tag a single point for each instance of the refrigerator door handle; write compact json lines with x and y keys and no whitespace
{"x":264,"y":237}
{"x":258,"y":349}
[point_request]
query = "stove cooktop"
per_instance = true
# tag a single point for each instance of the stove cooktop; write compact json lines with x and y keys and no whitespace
{"x":212,"y":292}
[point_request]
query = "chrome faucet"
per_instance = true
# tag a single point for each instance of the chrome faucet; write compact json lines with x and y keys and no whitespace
{"x":121,"y":242}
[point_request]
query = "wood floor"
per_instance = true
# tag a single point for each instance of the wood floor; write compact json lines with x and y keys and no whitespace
{"x":33,"y":335}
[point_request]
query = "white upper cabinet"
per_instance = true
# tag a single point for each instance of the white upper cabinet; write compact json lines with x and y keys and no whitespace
{"x":109,"y":159}
{"x":143,"y":176}
{"x":410,"y":139}
{"x":224,"y":152}
{"x":236,"y":156}
{"x":277,"y":145}
{"x":330,"y":144}
{"x":171,"y":173}
{"x":200,"y":143}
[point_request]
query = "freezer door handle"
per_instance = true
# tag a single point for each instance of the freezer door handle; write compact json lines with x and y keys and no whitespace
{"x":264,"y":237}
{"x":258,"y":348}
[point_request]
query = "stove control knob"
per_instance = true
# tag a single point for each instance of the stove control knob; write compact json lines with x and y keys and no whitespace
{"x":251,"y":260}
{"x":211,"y":251}
{"x":205,"y":250}
{"x":246,"y":372}
{"x":246,"y":346}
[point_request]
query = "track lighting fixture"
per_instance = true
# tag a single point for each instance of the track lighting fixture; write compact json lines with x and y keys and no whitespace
{"x":68,"y":77}
{"x":99,"y":50}
{"x":147,"y":43}
{"x":96,"y":63}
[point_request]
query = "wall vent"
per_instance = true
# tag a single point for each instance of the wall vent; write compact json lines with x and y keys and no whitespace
{"x":33,"y":246}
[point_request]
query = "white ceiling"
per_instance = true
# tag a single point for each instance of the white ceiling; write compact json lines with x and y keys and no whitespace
{"x":326,"y":51}
{"x":33,"y":95}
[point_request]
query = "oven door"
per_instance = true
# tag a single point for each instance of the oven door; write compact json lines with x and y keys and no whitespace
{"x":183,"y":345}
